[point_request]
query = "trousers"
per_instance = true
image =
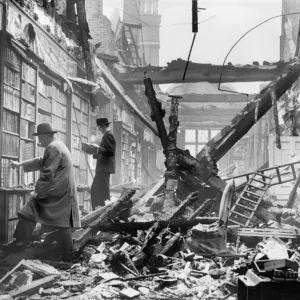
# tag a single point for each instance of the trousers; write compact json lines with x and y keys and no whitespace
{"x":24,"y":230}
{"x":100,"y":189}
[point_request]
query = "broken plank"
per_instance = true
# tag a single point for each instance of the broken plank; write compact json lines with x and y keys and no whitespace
{"x":40,"y":268}
{"x":11,"y":271}
{"x":188,"y":201}
{"x":34,"y":287}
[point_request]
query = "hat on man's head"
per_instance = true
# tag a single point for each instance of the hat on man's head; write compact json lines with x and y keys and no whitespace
{"x":102,"y":121}
{"x":44,"y":128}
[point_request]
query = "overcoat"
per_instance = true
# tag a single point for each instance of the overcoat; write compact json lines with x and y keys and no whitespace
{"x":106,"y":154}
{"x":56,"y":202}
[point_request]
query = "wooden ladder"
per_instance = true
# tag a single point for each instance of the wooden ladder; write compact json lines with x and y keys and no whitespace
{"x":249,"y":199}
{"x":281,"y":174}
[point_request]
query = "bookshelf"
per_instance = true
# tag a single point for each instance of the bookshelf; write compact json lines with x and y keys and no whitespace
{"x":30,"y":95}
{"x":127,"y":165}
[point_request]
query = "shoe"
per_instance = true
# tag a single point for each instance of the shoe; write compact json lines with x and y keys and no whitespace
{"x":14,"y":247}
{"x":3,"y":254}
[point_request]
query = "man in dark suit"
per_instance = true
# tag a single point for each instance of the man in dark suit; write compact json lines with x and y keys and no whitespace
{"x":105,"y":156}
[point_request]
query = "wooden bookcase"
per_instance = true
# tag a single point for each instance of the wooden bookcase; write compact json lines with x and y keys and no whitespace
{"x":30,"y":95}
{"x":128,"y":167}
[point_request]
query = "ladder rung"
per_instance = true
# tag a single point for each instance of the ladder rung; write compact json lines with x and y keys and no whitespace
{"x":235,"y":222}
{"x":261,"y":181}
{"x":246,"y":191}
{"x":241,"y":197}
{"x":245,"y":207}
{"x":262,"y":175}
{"x":234,"y":212}
{"x":259,"y":188}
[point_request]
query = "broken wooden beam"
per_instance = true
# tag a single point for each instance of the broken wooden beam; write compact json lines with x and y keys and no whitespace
{"x":171,"y":149}
{"x":242,"y":123}
{"x":202,"y":209}
{"x":34,"y":287}
{"x":110,"y":212}
{"x":193,"y":197}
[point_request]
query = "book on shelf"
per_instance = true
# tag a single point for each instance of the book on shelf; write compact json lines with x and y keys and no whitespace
{"x":10,"y":121}
{"x":11,"y":98}
{"x":9,"y":176}
{"x":10,"y":144}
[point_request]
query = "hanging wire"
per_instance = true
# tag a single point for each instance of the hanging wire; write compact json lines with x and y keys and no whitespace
{"x":223,"y":90}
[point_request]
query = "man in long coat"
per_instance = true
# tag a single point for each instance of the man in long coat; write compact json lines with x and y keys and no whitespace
{"x":54,"y":201}
{"x":105,"y":155}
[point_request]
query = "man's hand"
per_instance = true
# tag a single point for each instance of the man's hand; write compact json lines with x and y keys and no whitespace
{"x":33,"y":194}
{"x":15,"y":164}
{"x":94,"y":146}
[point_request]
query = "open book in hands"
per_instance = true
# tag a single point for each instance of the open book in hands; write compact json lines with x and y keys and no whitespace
{"x":89,"y":148}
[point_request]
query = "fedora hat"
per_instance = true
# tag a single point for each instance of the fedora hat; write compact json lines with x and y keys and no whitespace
{"x":44,"y":128}
{"x":102,"y":121}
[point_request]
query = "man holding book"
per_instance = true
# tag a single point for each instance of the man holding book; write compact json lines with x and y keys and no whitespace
{"x":105,"y":155}
{"x":54,"y":201}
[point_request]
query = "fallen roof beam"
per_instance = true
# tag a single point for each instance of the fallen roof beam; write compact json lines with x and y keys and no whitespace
{"x":212,"y":98}
{"x":203,"y":74}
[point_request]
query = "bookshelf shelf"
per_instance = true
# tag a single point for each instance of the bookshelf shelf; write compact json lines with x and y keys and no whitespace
{"x":11,"y":110}
{"x":12,"y":67}
{"x":27,"y":139}
{"x":10,"y":156}
{"x":28,"y":120}
{"x":9,"y":132}
{"x":27,"y":100}
{"x":44,"y":111}
{"x":12,"y":86}
{"x":24,"y":80}
{"x":47,"y":97}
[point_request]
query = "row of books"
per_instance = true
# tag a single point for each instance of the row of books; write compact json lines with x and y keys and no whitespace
{"x":44,"y":103}
{"x":27,"y":129}
{"x":27,"y":178}
{"x":27,"y":150}
{"x":43,"y":88}
{"x":10,"y":121}
{"x":10,"y":144}
{"x":59,"y":123}
{"x":59,"y":109}
{"x":11,"y":98}
{"x":12,"y":77}
{"x":28,"y":73}
{"x":43,"y":118}
{"x":9,"y":176}
{"x":15,"y":202}
{"x":27,"y":111}
{"x":28,"y":92}
{"x":12,"y":58}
